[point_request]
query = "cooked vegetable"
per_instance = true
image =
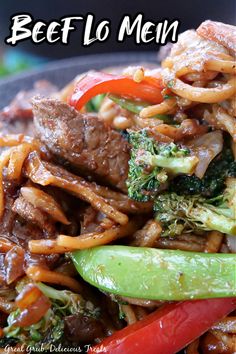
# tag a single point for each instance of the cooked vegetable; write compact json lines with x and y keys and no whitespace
{"x":44,"y":332}
{"x":94,"y":104}
{"x":151,"y":162}
{"x":32,"y":305}
{"x":213,"y":181}
{"x":157,"y":274}
{"x":95,"y":83}
{"x":206,"y":148}
{"x":160,"y":134}
{"x":7,"y":342}
{"x":194,"y":213}
{"x":44,"y":202}
{"x":137,"y":106}
{"x":167,"y":330}
{"x":28,"y":296}
{"x":187,"y":129}
{"x":50,"y":328}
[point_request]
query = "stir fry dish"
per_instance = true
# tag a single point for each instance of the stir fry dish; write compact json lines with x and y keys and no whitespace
{"x":118,"y":206}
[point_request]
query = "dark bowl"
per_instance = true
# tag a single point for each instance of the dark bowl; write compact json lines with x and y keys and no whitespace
{"x":62,"y":71}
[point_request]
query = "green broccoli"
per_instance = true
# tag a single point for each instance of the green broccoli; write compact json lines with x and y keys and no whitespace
{"x":179,"y":214}
{"x":213,"y":182}
{"x":151,"y":163}
{"x":50,"y":329}
{"x":4,"y":341}
{"x":44,"y":333}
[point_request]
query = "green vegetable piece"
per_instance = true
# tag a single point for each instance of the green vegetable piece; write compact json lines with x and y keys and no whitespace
{"x":50,"y":329}
{"x":137,"y":106}
{"x":213,"y":182}
{"x":195,"y":213}
{"x":10,"y":342}
{"x":167,"y":97}
{"x":156,"y":274}
{"x":95,"y":103}
{"x":170,"y":83}
{"x":172,"y":164}
{"x":151,"y":162}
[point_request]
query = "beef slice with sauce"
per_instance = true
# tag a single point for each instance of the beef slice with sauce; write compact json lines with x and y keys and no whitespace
{"x":18,"y":231}
{"x":80,"y":328}
{"x":20,"y":107}
{"x":17,"y":117}
{"x":82,"y":140}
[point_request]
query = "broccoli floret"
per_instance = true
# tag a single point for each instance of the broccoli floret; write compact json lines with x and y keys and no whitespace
{"x":44,"y":333}
{"x":50,"y":329}
{"x":213,"y":182}
{"x":179,"y":214}
{"x":11,"y":342}
{"x":151,"y":163}
{"x":227,"y":200}
{"x":124,"y":134}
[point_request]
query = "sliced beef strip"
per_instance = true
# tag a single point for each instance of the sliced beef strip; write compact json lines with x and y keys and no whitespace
{"x":80,"y":328}
{"x":33,"y":215}
{"x":91,"y":220}
{"x":14,"y":227}
{"x":71,"y":206}
{"x":17,"y":127}
{"x":16,"y":118}
{"x":82,"y":140}
{"x":14,"y":264}
{"x":19,"y":231}
{"x":20,"y":107}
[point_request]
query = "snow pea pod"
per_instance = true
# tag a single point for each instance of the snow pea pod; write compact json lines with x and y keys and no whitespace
{"x":156,"y":274}
{"x":137,"y":106}
{"x":95,"y":103}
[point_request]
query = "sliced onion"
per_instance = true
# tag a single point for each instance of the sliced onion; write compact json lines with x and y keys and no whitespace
{"x":14,"y":263}
{"x":44,"y":202}
{"x":206,"y":148}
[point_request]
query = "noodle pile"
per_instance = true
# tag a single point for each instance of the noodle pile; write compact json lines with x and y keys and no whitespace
{"x":199,"y":76}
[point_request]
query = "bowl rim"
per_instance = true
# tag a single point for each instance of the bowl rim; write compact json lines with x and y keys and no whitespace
{"x":68,"y":67}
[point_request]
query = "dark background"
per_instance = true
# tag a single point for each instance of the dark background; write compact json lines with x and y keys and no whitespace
{"x":191,"y":14}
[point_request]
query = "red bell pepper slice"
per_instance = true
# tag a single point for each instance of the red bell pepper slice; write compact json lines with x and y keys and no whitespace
{"x":168,"y":330}
{"x":95,"y":83}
